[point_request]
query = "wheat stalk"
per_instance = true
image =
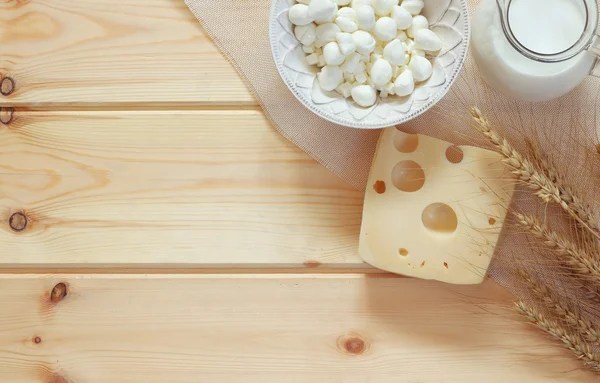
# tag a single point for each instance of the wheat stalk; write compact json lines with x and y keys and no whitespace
{"x":573,"y":318}
{"x":573,"y":342}
{"x":539,"y":182}
{"x":547,"y":167}
{"x":576,"y":257}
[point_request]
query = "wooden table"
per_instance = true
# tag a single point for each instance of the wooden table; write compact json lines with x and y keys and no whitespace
{"x":155,"y":228}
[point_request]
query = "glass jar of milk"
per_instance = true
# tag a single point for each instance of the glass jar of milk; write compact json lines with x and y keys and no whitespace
{"x":536,"y":50}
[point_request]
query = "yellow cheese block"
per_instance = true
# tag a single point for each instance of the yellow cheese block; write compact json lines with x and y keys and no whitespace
{"x":433,"y":210}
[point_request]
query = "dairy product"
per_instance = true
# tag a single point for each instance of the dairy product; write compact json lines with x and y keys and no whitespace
{"x":366,"y":43}
{"x":432,"y":210}
{"x":544,"y":26}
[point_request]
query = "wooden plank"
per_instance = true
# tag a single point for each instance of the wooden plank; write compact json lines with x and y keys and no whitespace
{"x":106,"y":52}
{"x":347,"y":329}
{"x":168,"y":187}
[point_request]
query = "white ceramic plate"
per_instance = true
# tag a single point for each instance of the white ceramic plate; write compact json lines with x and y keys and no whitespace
{"x":448,"y":18}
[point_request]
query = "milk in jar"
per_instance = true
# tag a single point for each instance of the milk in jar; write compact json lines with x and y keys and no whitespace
{"x":544,"y":28}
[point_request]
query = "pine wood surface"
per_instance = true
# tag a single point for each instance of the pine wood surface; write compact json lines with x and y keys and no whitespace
{"x":230,"y":328}
{"x":154,"y":227}
{"x":110,"y":52}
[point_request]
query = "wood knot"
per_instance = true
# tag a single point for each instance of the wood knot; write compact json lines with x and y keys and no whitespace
{"x":312,"y":264}
{"x":18,"y":222}
{"x":7,"y":86}
{"x":59,"y":292}
{"x":55,"y":378}
{"x":6,"y":115}
{"x":37,"y":340}
{"x":352,"y":344}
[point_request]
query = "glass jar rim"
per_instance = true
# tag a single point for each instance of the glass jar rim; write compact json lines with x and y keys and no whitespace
{"x":583,"y":43}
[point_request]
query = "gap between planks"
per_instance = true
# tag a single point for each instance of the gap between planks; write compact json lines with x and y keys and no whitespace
{"x":210,"y":274}
{"x":130,"y":107}
{"x":308,"y":269}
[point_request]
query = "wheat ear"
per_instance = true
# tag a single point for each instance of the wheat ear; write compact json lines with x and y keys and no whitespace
{"x":573,"y":342}
{"x":576,"y":257}
{"x":574,"y":319}
{"x":543,"y":186}
{"x":547,"y":167}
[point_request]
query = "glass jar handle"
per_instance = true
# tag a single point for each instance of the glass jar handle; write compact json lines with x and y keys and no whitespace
{"x":595,"y":50}
{"x":595,"y":45}
{"x":588,"y":39}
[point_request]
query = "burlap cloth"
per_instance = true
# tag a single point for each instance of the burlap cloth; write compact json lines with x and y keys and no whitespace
{"x":564,"y":129}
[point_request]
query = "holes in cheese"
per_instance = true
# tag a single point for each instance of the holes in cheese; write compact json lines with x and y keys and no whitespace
{"x":454,"y":154}
{"x":406,"y":143}
{"x":440,"y":218}
{"x":408,"y":176}
{"x":433,"y":221}
{"x":379,"y":187}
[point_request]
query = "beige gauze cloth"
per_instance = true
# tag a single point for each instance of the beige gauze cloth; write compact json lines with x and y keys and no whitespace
{"x":563,"y":130}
